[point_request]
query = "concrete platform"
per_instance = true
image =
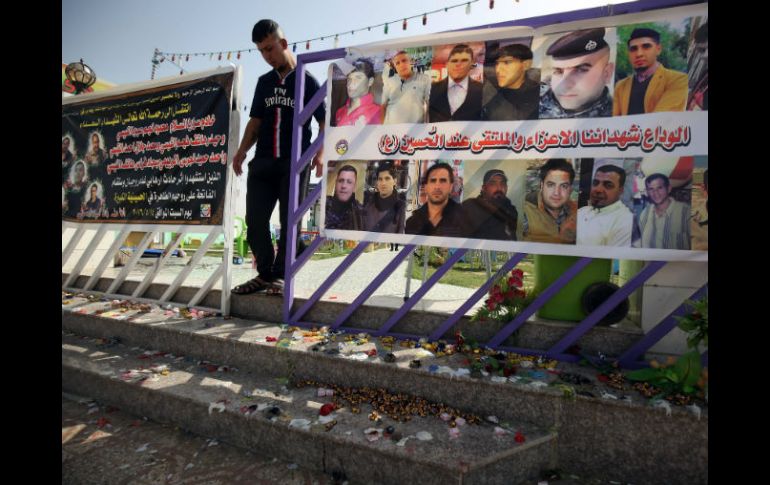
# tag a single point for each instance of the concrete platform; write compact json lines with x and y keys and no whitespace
{"x":599,"y":430}
{"x":104,"y":444}
{"x":235,"y":406}
{"x":535,"y":334}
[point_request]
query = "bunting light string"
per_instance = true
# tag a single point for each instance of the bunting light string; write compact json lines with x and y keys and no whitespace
{"x":159,"y":56}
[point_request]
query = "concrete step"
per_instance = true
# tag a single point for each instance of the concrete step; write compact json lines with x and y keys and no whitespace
{"x":628,"y":440}
{"x":537,"y":333}
{"x":267,"y":415}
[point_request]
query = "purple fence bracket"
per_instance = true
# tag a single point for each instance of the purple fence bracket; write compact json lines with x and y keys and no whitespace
{"x":301,"y":115}
{"x":603,"y":309}
{"x":299,"y":161}
{"x":384,"y":274}
{"x":460,"y":312}
{"x":306,"y":254}
{"x":311,"y":199}
{"x":546,"y":295}
{"x":420,"y":292}
{"x":309,"y":153}
{"x":630,"y":357}
{"x":344,"y":265}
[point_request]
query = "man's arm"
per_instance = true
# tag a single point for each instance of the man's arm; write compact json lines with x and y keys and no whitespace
{"x":318,"y":158}
{"x":250,"y":137}
{"x":674,"y":95}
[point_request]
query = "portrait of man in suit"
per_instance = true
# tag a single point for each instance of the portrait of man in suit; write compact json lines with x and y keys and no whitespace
{"x":458,"y":97}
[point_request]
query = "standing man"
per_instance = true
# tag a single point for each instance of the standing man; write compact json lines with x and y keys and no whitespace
{"x":491,"y":214}
{"x":405,"y":95}
{"x":515,"y":97}
{"x":665,"y":224}
{"x":360,"y":108}
{"x":581,"y":71}
{"x":606,"y":221}
{"x":441,"y":216}
{"x":458,"y":97}
{"x":552,"y":217}
{"x":269,"y":127}
{"x":652,"y":87}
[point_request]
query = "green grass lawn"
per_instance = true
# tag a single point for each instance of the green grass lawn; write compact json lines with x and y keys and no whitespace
{"x":473,"y":273}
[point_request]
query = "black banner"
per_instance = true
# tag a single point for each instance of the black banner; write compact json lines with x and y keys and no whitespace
{"x":153,"y":156}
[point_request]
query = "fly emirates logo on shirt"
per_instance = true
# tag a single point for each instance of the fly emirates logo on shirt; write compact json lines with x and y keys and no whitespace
{"x":279,"y":97}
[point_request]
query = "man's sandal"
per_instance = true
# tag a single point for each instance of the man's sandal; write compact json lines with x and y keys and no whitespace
{"x":254,"y":285}
{"x":275,"y":287}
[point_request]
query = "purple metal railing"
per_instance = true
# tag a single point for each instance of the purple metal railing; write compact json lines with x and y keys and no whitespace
{"x":300,"y":160}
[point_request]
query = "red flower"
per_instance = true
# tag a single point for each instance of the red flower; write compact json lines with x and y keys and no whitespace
{"x":491,"y":305}
{"x":602,"y":377}
{"x":519,"y":437}
{"x":326,"y":409}
{"x":459,"y":337}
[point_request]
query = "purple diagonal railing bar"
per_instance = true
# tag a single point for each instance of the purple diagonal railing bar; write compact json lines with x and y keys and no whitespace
{"x":603,"y":309}
{"x":301,"y":115}
{"x":327,"y":55}
{"x":310,"y":199}
{"x":657,"y":333}
{"x":309,"y":153}
{"x":344,"y":265}
{"x":458,"y":314}
{"x":305,"y":256}
{"x":420,"y":292}
{"x":384,"y":274}
{"x":312,"y":105}
{"x":296,"y":150}
{"x":546,"y":295}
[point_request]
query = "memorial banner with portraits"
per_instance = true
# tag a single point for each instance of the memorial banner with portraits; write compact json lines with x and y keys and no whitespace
{"x":156,"y":154}
{"x":586,"y":138}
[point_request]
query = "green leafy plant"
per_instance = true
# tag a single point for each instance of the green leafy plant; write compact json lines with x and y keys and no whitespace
{"x":681,"y":377}
{"x":506,"y":299}
{"x":696,"y":323}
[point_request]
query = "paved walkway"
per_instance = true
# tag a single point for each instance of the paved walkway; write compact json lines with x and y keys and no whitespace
{"x":441,"y":298}
{"x":104,"y":445}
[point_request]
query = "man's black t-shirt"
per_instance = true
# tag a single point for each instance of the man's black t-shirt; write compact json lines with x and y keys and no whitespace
{"x":274,"y":104}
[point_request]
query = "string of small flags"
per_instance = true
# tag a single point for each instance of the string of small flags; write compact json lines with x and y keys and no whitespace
{"x":176,"y":58}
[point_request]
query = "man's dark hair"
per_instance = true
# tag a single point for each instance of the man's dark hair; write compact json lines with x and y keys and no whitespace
{"x":702,"y":34}
{"x":654,"y":176}
{"x":557,"y":164}
{"x":265,"y":28}
{"x":347,"y":168}
{"x":460,"y":48}
{"x":614,"y":169}
{"x":436,"y":166}
{"x":518,"y":51}
{"x":386,"y":168}
{"x":93,"y":186}
{"x":365,"y":66}
{"x":644,"y":32}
